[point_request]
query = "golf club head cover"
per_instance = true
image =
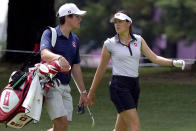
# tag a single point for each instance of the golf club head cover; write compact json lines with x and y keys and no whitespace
{"x":42,"y":70}
{"x":179,"y":63}
{"x":54,"y":67}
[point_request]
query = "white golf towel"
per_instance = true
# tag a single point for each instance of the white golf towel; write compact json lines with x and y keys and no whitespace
{"x":34,"y":99}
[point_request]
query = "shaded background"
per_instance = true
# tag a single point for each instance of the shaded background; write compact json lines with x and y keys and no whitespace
{"x":26,"y":22}
{"x":167,"y":26}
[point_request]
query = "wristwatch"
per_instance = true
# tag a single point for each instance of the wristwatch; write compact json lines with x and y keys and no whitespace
{"x":83,"y":92}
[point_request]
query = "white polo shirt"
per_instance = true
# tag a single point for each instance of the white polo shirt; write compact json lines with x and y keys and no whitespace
{"x":125,"y":61}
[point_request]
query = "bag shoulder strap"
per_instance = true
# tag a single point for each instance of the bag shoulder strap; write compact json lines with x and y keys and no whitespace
{"x":54,"y":36}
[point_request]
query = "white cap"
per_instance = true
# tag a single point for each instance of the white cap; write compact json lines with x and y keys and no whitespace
{"x":68,"y":9}
{"x":121,"y":16}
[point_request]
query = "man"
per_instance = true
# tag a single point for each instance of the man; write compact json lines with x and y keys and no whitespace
{"x":66,"y":50}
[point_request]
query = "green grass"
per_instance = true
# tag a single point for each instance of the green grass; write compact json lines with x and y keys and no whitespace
{"x":167,"y":102}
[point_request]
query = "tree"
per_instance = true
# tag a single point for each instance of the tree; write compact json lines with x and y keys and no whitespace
{"x":96,"y":25}
{"x":26,"y":22}
{"x":179,"y":18}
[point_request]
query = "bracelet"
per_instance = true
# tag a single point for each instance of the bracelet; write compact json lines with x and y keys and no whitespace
{"x":83,"y":92}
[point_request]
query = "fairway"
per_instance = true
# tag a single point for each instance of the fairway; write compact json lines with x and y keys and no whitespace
{"x":167,"y":102}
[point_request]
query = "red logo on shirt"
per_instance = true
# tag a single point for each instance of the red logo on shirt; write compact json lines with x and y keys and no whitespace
{"x":69,"y":11}
{"x":74,"y":44}
{"x":135,"y":44}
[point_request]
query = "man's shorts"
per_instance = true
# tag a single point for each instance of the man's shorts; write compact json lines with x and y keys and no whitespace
{"x":58,"y":102}
{"x":124,"y":92}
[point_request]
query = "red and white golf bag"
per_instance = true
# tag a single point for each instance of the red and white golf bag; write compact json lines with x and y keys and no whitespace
{"x":16,"y":96}
{"x":12,"y":96}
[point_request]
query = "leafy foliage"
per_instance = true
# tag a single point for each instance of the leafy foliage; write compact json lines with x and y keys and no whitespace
{"x":179,"y":18}
{"x":176,"y":20}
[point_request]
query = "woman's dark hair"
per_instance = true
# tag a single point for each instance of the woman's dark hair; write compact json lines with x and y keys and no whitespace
{"x":130,"y":29}
{"x":62,"y":19}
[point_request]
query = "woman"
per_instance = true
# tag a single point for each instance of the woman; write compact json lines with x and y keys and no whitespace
{"x":125,"y":50}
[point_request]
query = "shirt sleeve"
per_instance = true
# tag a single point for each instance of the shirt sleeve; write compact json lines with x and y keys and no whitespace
{"x":45,"y":42}
{"x":107,"y":43}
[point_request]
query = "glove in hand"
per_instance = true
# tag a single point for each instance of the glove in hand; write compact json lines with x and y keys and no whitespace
{"x":179,"y":63}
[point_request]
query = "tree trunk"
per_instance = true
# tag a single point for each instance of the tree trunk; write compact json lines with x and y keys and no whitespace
{"x":26,"y":21}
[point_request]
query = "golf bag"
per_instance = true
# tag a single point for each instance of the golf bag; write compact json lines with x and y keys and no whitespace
{"x":13,"y":111}
{"x":11,"y":98}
